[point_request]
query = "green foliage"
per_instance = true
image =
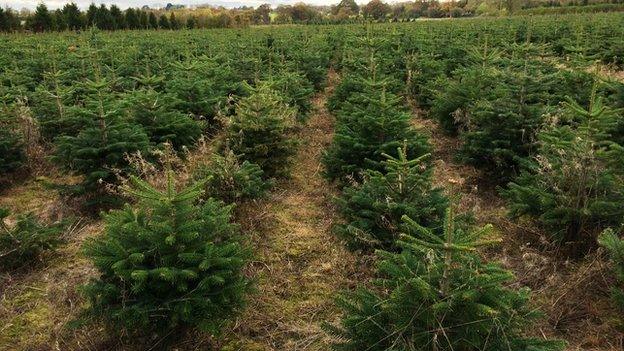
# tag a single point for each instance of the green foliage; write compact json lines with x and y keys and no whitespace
{"x":166,"y":263}
{"x":157,"y":114}
{"x":259,"y":131}
{"x":230,"y":180}
{"x":372,"y":211}
{"x":12,"y":152}
{"x":574,"y":186}
{"x":26,"y":240}
{"x":368,"y":125}
{"x":615,"y":246}
{"x":437,"y":294}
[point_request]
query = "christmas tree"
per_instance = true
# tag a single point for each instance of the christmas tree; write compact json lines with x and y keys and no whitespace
{"x":373,"y":210}
{"x":368,"y":125}
{"x":615,"y":246}
{"x":12,"y":149}
{"x":166,"y":263}
{"x":574,"y":185}
{"x":26,"y":240}
{"x":437,"y":294}
{"x":98,"y":151}
{"x":260,"y":130}
{"x":156,"y":113}
{"x":231,"y":180}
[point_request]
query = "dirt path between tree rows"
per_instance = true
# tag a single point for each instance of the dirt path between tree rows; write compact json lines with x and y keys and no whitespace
{"x":300,"y":265}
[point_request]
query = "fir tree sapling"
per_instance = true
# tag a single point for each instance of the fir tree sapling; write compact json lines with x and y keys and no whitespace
{"x":231,"y":180}
{"x":101,"y":147}
{"x":26,"y":240}
{"x":372,"y":211}
{"x":369,"y":125}
{"x":437,"y":294}
{"x":260,"y":131}
{"x":574,"y":187}
{"x":156,"y":112}
{"x":615,"y":246}
{"x":166,"y":263}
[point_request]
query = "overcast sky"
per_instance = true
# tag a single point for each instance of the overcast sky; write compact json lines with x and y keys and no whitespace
{"x":53,"y":4}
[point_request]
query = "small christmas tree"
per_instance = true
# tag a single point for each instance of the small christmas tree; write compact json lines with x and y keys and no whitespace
{"x":230,"y":180}
{"x":373,"y":210}
{"x":260,"y":131}
{"x":437,"y":294}
{"x":99,"y":150}
{"x":574,"y":187}
{"x":25,"y":241}
{"x":156,"y":113}
{"x":12,"y":153}
{"x":369,"y":125}
{"x":615,"y":246}
{"x":166,"y":263}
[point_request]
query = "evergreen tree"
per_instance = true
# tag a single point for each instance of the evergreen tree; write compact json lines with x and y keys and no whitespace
{"x":373,"y":210}
{"x":157,"y":114}
{"x":368,"y":125}
{"x":73,"y":16}
{"x":12,"y":149}
{"x":191,"y":22}
{"x":99,"y":149}
{"x":166,"y":263}
{"x":4,"y":21}
{"x":437,"y":294}
{"x":163,"y":22}
{"x":60,"y":24}
{"x":41,"y":20}
{"x":92,"y":13}
{"x":153,"y":21}
{"x":230,"y":180}
{"x":132,"y":19}
{"x":143,"y":20}
{"x":615,"y":246}
{"x":118,"y":19}
{"x":26,"y":240}
{"x":259,"y":132}
{"x":173,"y":21}
{"x":574,"y":187}
{"x":104,"y":19}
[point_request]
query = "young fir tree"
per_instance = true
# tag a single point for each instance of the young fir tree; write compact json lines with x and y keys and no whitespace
{"x":12,"y":149}
{"x":230,"y":180}
{"x":26,"y":240}
{"x":156,"y":112}
{"x":99,"y":149}
{"x":166,"y":263}
{"x":615,"y":246}
{"x":260,"y":131}
{"x":368,"y":125}
{"x":437,"y":294}
{"x":373,"y":210}
{"x":575,"y":186}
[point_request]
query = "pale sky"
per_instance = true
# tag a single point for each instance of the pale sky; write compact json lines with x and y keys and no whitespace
{"x":123,"y":4}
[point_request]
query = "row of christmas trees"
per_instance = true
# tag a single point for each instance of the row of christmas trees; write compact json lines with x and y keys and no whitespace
{"x":172,"y":257}
{"x":432,"y":289}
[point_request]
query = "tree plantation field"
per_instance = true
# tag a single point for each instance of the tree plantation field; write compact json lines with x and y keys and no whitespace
{"x":435,"y":185}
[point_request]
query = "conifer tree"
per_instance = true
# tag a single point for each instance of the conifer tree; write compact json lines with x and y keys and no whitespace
{"x":368,"y":125}
{"x":437,"y":294}
{"x":25,"y":241}
{"x":230,"y":180}
{"x":156,"y":112}
{"x":373,"y":210}
{"x":574,"y":187}
{"x":260,"y":131}
{"x":615,"y":246}
{"x":99,"y":149}
{"x":166,"y":263}
{"x":12,"y":149}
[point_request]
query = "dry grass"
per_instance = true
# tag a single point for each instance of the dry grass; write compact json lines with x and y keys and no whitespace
{"x":573,"y":295}
{"x":300,"y":265}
